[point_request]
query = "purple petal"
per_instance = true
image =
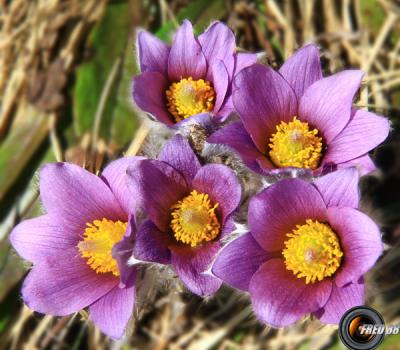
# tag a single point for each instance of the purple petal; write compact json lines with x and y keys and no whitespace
{"x":360,"y":241}
{"x":238,"y":261}
{"x":64,"y":284}
{"x":222,"y":186}
{"x":122,"y":251}
{"x":226,"y":109}
{"x":206,"y":120}
{"x":191,"y":265}
{"x":363,"y":164}
{"x":277,"y":210}
{"x":229,"y":226}
{"x":115,"y":176}
{"x":186,"y":58}
{"x":341,"y":300}
{"x":302,"y":69}
{"x":36,"y":239}
{"x":218,"y":43}
{"x":77,"y":196}
{"x":236,"y":137}
{"x":112,"y":312}
{"x":364,"y":132}
{"x":178,"y":153}
{"x":152,"y":244}
{"x":279,"y":298}
{"x":149,"y":94}
{"x":327,"y":103}
{"x":220,"y":79}
{"x":340,"y":188}
{"x":263,"y":99}
{"x":146,"y":178}
{"x":244,"y":60}
{"x":153,"y":53}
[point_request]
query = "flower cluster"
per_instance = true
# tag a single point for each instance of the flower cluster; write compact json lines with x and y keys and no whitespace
{"x":307,"y":246}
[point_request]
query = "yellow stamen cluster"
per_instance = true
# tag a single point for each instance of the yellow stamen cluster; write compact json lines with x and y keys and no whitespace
{"x":194,"y":220}
{"x":189,"y":97}
{"x":96,"y":246}
{"x":295,"y":145}
{"x":312,"y":251}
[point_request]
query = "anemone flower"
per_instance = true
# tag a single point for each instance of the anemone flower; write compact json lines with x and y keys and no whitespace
{"x":307,"y":250}
{"x":79,"y":248}
{"x":295,"y":118}
{"x":189,"y":210}
{"x":191,"y":77}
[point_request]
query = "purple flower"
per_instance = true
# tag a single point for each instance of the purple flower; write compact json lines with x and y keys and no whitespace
{"x":307,"y":250}
{"x":189,"y":210}
{"x":191,"y":77}
{"x":79,"y":248}
{"x":298,"y":119}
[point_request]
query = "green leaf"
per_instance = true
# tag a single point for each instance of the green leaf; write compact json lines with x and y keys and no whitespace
{"x":16,"y":151}
{"x":125,"y":120}
{"x":372,"y":14}
{"x":9,"y":307}
{"x":108,"y":41}
{"x":391,"y":342}
{"x":11,"y":269}
{"x":200,"y":12}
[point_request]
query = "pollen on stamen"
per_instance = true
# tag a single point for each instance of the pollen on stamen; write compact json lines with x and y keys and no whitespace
{"x":295,"y":144}
{"x":312,"y":251}
{"x":98,"y":241}
{"x":189,"y":97}
{"x":194,"y":220}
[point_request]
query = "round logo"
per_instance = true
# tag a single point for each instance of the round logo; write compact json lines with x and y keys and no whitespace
{"x":362,"y":328}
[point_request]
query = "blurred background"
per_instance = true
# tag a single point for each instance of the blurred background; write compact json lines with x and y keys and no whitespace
{"x":65,"y":74}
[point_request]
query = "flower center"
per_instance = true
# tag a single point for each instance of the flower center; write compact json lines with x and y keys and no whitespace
{"x":99,"y":239}
{"x":189,"y":97}
{"x":295,"y":145}
{"x":194,"y":219}
{"x":312,"y":251}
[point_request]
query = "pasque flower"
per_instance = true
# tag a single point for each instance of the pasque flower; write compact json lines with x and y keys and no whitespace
{"x":295,"y":118}
{"x":306,"y":252}
{"x":80,"y":247}
{"x":191,"y":77}
{"x":189,"y":210}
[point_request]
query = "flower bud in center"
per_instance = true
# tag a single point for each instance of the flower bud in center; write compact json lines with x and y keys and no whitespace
{"x":99,"y":239}
{"x":194,"y":220}
{"x":190,"y":97}
{"x":312,"y":251}
{"x":295,"y":145}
